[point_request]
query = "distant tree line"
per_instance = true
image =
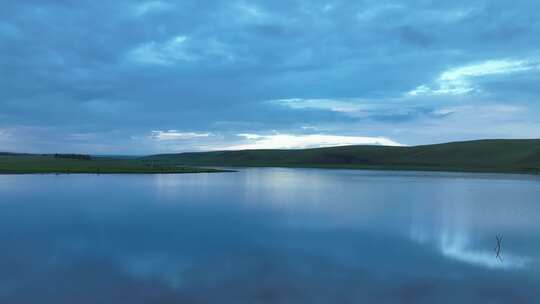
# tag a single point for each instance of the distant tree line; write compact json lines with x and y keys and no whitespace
{"x":73,"y":156}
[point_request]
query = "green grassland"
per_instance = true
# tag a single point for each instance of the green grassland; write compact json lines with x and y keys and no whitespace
{"x":508,"y":156}
{"x":32,"y":163}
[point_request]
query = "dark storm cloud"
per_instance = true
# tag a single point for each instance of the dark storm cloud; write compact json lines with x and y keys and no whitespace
{"x":130,"y":67}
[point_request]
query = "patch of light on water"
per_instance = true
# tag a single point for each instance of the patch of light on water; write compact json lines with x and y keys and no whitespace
{"x":457,"y":246}
{"x":459,"y":251}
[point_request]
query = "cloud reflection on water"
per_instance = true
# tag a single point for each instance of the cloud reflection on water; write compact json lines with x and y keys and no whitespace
{"x":267,"y":235}
{"x":458,"y":246}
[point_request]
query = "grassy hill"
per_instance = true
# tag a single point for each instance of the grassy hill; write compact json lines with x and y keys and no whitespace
{"x":517,"y":156}
{"x":14,"y":163}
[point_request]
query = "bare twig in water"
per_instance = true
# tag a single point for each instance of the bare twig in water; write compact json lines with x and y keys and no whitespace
{"x":498,"y":247}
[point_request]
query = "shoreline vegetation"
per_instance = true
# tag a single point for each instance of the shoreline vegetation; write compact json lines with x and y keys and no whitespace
{"x":13,"y":163}
{"x":482,"y":156}
{"x":520,"y":156}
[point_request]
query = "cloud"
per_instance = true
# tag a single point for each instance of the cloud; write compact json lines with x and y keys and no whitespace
{"x":460,"y":80}
{"x":291,"y":141}
{"x":183,"y":49}
{"x":166,"y":53}
{"x":339,"y":67}
{"x":176,"y":135}
{"x":4,"y":137}
{"x":251,"y":12}
{"x":322,"y":104}
{"x":369,"y":14}
{"x":147,"y":7}
{"x":389,"y":109}
{"x":493,"y":112}
{"x":8,"y":30}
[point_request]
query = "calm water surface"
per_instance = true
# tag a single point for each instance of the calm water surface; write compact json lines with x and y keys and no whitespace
{"x":269,"y":236}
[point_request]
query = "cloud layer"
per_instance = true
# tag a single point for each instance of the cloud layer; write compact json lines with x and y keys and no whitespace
{"x":106,"y":77}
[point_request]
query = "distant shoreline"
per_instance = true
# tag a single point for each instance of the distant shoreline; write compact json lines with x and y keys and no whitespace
{"x":13,"y":164}
{"x":517,"y":156}
{"x":195,"y":171}
{"x":381,"y":168}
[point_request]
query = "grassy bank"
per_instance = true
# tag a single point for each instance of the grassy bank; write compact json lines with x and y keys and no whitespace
{"x":507,"y":156}
{"x":33,"y":164}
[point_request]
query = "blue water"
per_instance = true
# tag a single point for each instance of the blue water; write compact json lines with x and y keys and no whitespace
{"x":270,"y":236}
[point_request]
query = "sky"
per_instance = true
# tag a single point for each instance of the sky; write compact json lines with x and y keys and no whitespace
{"x":141,"y":77}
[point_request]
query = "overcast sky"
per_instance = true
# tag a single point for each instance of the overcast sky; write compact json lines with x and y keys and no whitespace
{"x":101,"y":76}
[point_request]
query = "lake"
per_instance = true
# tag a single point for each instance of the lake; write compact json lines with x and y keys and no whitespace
{"x":270,"y":235}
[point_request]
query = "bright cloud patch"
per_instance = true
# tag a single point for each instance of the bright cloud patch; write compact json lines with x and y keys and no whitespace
{"x":494,"y":112}
{"x":176,"y":135}
{"x":459,"y":80}
{"x":290,"y":141}
{"x":250,"y":12}
{"x":150,"y":6}
{"x":166,"y":53}
{"x":322,"y":104}
{"x":3,"y":135}
{"x":389,"y":109}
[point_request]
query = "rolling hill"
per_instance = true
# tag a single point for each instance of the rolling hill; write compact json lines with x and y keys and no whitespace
{"x":515,"y":155}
